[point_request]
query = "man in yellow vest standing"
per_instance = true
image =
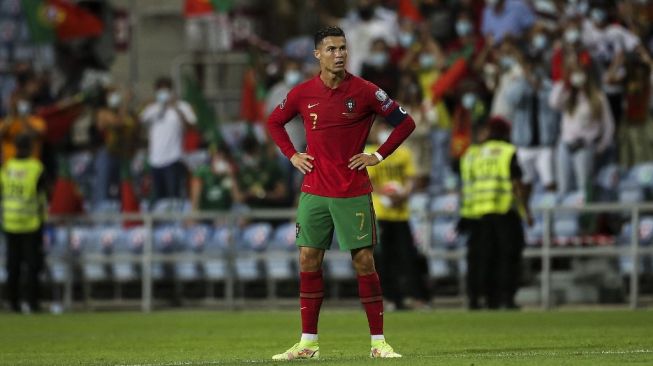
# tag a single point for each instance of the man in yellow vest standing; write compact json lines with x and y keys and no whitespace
{"x":23,"y":201}
{"x":468,"y":225}
{"x":498,"y":199}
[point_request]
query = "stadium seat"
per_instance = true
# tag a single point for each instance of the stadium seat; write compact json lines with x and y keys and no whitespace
{"x":607,"y":183}
{"x":281,"y":253}
{"x":445,"y":234}
{"x":254,"y":239}
{"x":93,"y":243}
{"x":166,"y":241}
{"x":447,"y":203}
{"x":214,"y":263}
{"x":339,"y":264}
{"x":566,"y":225}
{"x":127,"y":244}
{"x":57,"y":250}
{"x":438,"y":268}
{"x":194,"y":242}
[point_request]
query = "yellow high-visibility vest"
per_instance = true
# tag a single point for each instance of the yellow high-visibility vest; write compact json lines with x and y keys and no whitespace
{"x":21,"y":205}
{"x":467,"y":208}
{"x":492,"y":185}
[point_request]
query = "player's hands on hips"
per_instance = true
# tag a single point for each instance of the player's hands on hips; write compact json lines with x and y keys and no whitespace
{"x":302,"y":161}
{"x":362,"y":160}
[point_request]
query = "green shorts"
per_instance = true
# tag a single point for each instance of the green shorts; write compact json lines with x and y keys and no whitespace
{"x":352,"y":218}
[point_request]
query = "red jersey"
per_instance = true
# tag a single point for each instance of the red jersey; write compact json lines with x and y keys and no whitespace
{"x":337,"y":123}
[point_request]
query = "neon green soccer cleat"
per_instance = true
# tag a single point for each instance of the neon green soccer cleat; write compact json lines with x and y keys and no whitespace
{"x":301,"y":350}
{"x":380,"y":349}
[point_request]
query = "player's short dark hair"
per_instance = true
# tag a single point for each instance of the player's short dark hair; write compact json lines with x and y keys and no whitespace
{"x":327,"y":32}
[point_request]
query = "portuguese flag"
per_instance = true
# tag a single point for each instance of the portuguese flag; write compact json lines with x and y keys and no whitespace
{"x":50,"y":20}
{"x":194,"y":8}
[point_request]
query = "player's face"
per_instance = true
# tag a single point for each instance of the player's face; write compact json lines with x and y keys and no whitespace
{"x":332,"y":53}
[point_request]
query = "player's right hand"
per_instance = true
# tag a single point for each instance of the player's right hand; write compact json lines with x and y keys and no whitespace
{"x":302,"y":161}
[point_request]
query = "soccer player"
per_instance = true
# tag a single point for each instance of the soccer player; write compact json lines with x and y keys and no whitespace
{"x":338,"y":110}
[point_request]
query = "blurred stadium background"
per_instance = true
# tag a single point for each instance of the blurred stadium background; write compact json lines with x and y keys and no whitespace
{"x":112,"y":243}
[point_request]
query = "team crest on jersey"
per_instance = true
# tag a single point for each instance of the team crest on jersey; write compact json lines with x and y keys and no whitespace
{"x":381,"y":96}
{"x":350,"y":103}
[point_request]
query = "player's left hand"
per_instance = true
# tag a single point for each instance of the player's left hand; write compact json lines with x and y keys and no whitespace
{"x":362,"y":160}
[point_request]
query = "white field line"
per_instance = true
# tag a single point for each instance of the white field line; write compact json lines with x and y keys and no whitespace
{"x":485,"y":354}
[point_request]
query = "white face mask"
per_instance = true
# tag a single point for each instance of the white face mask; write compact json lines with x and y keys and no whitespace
{"x":463,"y":28}
{"x":426,"y":61}
{"x":539,"y":42}
{"x":406,"y":39}
{"x":220,"y":167}
{"x":23,"y":107}
{"x":382,"y":136}
{"x":378,"y":59}
{"x":572,"y":35}
{"x":468,"y":100}
{"x":114,"y":99}
{"x":292,"y":77}
{"x":577,"y":79}
{"x":163,"y":95}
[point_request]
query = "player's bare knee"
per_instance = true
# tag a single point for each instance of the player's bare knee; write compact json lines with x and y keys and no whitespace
{"x":310,"y":261}
{"x":363,"y":261}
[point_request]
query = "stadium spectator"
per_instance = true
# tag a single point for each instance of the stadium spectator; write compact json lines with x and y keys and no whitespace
{"x":365,"y":23}
{"x":117,"y":136}
{"x":260,"y":177}
{"x":214,"y":186}
{"x":498,"y":197}
{"x":292,"y":75}
{"x":419,"y":142}
{"x":379,"y":69}
{"x":587,"y":126}
{"x":336,"y":186}
{"x":393,"y":182}
{"x":165,"y":119}
{"x":634,"y":131}
{"x":503,"y":18}
{"x":21,"y":120}
{"x":23,"y":210}
{"x":535,"y":125}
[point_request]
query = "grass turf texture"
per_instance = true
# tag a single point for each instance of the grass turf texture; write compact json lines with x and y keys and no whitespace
{"x":245,"y":338}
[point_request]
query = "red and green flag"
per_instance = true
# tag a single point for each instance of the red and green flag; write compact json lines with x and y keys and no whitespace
{"x":194,"y":8}
{"x":50,"y":20}
{"x":207,"y":123}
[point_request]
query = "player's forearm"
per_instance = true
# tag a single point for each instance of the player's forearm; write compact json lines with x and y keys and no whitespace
{"x":280,"y":136}
{"x":399,"y":135}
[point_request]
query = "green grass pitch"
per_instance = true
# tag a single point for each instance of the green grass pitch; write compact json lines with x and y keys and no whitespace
{"x":436,"y":337}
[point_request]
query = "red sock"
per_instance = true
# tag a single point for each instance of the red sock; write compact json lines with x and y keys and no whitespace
{"x":311,"y":293}
{"x":369,"y":290}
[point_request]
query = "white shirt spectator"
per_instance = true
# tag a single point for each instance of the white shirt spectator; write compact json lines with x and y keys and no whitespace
{"x":166,"y":131}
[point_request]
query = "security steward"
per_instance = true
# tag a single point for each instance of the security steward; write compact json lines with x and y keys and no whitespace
{"x":498,"y":199}
{"x":23,"y":203}
{"x":468,"y":225}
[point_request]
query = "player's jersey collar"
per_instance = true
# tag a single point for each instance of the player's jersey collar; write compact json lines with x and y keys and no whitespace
{"x":342,"y":84}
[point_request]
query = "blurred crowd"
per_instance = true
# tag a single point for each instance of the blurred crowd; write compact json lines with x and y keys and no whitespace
{"x":573,"y":78}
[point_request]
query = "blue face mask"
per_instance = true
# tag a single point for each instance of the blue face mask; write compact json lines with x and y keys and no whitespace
{"x":463,"y":28}
{"x":406,"y":39}
{"x":378,"y":59}
{"x":426,"y":61}
{"x":292,"y":77}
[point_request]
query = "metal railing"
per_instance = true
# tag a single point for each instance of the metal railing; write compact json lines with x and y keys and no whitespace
{"x":148,"y":257}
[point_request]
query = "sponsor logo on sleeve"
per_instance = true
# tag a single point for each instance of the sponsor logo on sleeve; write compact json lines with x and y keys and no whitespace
{"x":386,"y":105}
{"x":381,"y":96}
